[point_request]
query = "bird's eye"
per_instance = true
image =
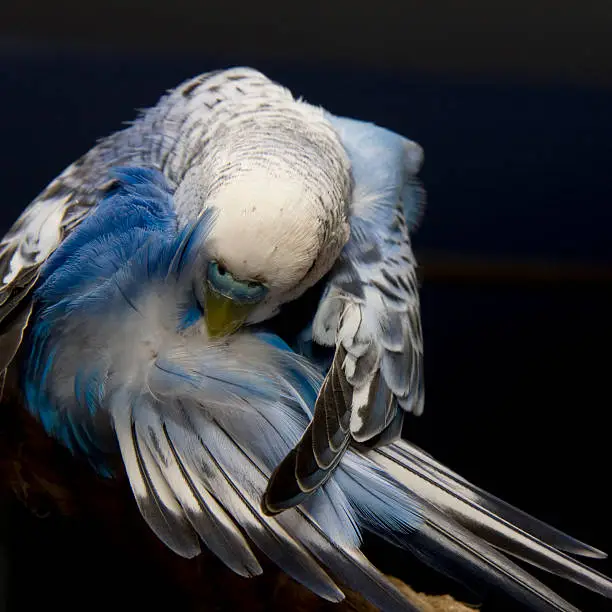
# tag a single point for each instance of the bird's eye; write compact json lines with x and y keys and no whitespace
{"x":223,"y":282}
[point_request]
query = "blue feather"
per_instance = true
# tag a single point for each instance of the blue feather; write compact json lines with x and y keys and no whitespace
{"x":293,"y":370}
{"x":118,"y":212}
{"x":187,"y":246}
{"x":193,"y":313}
{"x":274,"y":340}
{"x":129,"y":239}
{"x":390,"y":171}
{"x":148,"y":177}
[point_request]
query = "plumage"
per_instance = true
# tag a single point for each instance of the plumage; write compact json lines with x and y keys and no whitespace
{"x":238,"y":443}
{"x":306,"y":192}
{"x":201,"y":423}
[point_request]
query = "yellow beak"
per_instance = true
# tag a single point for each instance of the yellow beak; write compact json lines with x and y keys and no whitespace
{"x":223,"y":315}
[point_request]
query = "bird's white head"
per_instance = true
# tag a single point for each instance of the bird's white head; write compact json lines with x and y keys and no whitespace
{"x":281,"y":194}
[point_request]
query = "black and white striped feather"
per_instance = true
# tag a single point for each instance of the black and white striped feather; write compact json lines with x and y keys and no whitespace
{"x":200,"y":439}
{"x":201,"y":427}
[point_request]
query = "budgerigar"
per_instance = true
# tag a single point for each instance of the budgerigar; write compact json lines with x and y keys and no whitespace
{"x":300,"y":194}
{"x":142,"y":285}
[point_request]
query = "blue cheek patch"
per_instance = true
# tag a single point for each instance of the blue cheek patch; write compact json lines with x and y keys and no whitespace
{"x":192,"y":314}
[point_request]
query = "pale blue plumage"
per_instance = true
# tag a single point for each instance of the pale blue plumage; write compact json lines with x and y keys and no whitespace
{"x":119,"y":360}
{"x":390,"y":172}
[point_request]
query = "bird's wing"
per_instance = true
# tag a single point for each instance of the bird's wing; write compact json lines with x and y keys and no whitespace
{"x":32,"y":238}
{"x":369,"y":312}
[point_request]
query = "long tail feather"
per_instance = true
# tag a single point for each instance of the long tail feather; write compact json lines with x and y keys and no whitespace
{"x":438,"y":540}
{"x":346,"y":561}
{"x":197,"y":446}
{"x":463,"y":499}
{"x":458,"y":525}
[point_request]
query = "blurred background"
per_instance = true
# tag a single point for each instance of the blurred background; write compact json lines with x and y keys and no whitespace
{"x":511,"y":101}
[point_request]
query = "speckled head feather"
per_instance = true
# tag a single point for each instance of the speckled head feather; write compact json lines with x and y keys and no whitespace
{"x":280,"y":179}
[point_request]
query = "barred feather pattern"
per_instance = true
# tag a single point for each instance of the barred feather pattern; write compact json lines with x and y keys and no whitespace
{"x":118,"y":361}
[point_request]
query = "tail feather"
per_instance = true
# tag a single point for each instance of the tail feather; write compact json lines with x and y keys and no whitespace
{"x":230,"y":490}
{"x":208,"y":520}
{"x":216,"y":527}
{"x":436,"y":539}
{"x":197,"y":449}
{"x":352,"y":567}
{"x":346,"y":562}
{"x":469,"y":496}
{"x":453,"y":548}
{"x":456,"y":526}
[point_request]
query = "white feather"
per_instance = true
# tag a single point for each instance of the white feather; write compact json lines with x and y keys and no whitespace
{"x":42,"y":232}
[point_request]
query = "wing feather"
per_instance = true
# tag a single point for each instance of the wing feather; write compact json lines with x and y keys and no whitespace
{"x":157,"y":503}
{"x":369,"y":313}
{"x":458,"y":506}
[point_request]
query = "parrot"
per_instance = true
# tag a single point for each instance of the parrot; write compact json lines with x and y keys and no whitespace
{"x":138,"y":304}
{"x":288,"y":181}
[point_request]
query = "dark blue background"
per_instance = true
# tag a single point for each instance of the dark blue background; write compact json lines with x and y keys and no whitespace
{"x":517,"y":374}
